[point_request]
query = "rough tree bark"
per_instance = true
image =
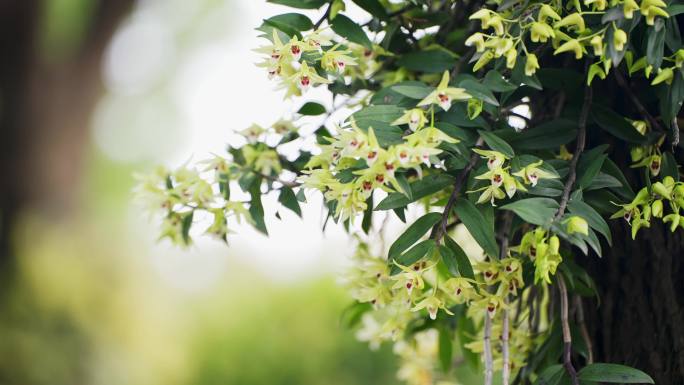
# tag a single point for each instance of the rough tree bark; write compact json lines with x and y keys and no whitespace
{"x":640,"y":319}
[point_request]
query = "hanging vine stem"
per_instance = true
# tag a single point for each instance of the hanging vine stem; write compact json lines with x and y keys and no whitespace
{"x":489,"y":361}
{"x":505,"y":351}
{"x":583,"y":329}
{"x":567,"y":337}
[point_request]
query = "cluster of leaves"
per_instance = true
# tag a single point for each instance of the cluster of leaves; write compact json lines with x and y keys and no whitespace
{"x":472,"y":113}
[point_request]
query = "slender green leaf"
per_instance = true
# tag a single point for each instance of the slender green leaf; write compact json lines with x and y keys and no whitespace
{"x":474,"y":220}
{"x":614,"y":373}
{"x":538,"y":211}
{"x":413,"y":233}
{"x":460,"y":259}
{"x":419,"y":189}
{"x":413,"y":255}
{"x":311,"y":109}
{"x":346,"y":27}
{"x":446,"y":348}
{"x":302,"y":4}
{"x":496,"y":143}
{"x":288,"y":199}
{"x":431,"y":61}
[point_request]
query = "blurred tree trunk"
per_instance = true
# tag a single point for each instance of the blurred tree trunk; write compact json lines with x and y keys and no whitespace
{"x":45,"y":108}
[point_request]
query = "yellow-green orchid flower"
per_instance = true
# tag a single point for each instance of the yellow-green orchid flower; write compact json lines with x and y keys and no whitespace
{"x":495,"y":159}
{"x":432,"y":304}
{"x":444,"y":95}
{"x":306,"y":77}
{"x":415,"y":118}
{"x":336,"y":61}
{"x":532,"y":173}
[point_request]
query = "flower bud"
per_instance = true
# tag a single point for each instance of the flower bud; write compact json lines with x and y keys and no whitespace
{"x":597,"y":43}
{"x":531,"y":64}
{"x":577,"y":224}
{"x":664,"y":75}
{"x":661,"y":190}
{"x":657,"y":208}
{"x":640,"y":126}
{"x":619,"y":39}
{"x":554,"y":245}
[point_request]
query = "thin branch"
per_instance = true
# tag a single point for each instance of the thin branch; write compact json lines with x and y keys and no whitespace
{"x":579,"y":148}
{"x":504,"y":233}
{"x":506,"y":370}
{"x":441,"y":228}
{"x":489,"y":361}
{"x":567,"y":337}
{"x":324,"y":17}
{"x":583,"y":329}
{"x":637,"y":103}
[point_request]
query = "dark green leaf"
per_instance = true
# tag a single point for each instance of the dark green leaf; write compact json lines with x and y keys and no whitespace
{"x":589,"y":165}
{"x":496,"y":82}
{"x":373,"y":7}
{"x":546,"y":136}
{"x":302,"y":4}
{"x":655,"y":43}
{"x":538,"y":211}
{"x":288,"y":199}
{"x":479,"y":91}
{"x":290,"y":23}
{"x":413,"y":255}
{"x":478,"y":226}
{"x":367,"y":215}
{"x":460,"y":259}
{"x":311,"y":109}
{"x":419,"y":189}
{"x":496,"y":143}
{"x":591,"y":216}
{"x":413,"y":91}
{"x":446,"y":348}
{"x":616,"y":125}
{"x":610,"y":168}
{"x":346,"y":27}
{"x":669,"y":166}
{"x":431,"y":61}
{"x":186,"y":225}
{"x":551,"y":375}
{"x":256,"y":209}
{"x":613,"y":373}
{"x":413,"y":233}
{"x":380,"y":117}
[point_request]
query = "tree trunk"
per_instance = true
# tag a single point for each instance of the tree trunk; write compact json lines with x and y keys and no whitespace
{"x":45,"y":107}
{"x":640,"y":318}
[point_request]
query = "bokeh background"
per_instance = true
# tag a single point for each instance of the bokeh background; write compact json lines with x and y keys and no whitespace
{"x":92,"y":91}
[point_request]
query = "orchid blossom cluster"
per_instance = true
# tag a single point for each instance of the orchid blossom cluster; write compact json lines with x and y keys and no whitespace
{"x":589,"y":27}
{"x":403,"y":296}
{"x":649,"y":203}
{"x":426,"y":130}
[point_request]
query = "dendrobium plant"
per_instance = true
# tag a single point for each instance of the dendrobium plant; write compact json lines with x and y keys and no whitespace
{"x":420,"y":130}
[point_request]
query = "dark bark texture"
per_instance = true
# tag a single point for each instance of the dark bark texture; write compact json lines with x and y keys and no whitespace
{"x":640,"y":319}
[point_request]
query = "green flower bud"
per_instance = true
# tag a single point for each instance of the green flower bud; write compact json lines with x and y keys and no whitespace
{"x":554,"y":244}
{"x":674,"y":220}
{"x":661,"y":190}
{"x":577,"y":224}
{"x":531,"y":64}
{"x":619,"y":39}
{"x":657,"y":208}
{"x":664,"y":75}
